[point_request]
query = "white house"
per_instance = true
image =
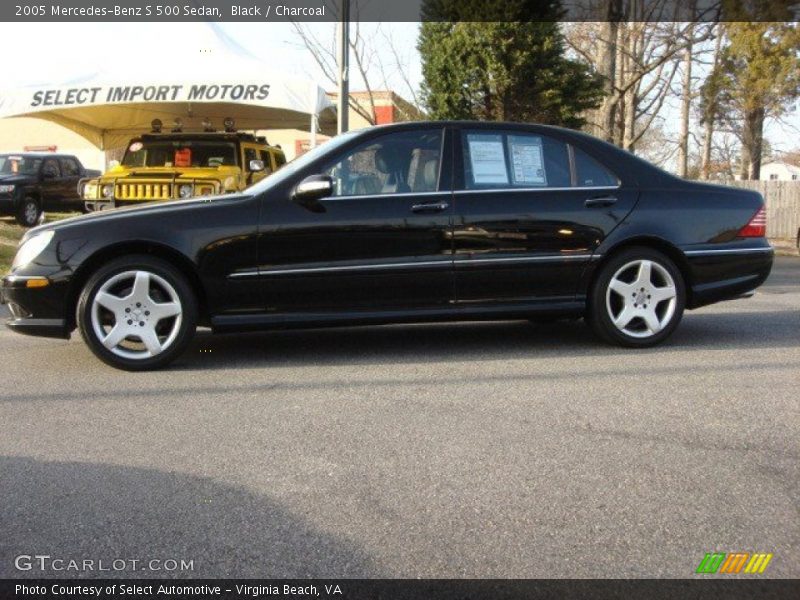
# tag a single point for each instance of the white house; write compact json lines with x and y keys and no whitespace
{"x":779,"y":171}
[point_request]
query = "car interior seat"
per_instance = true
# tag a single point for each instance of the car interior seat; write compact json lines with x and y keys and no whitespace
{"x":390,"y":164}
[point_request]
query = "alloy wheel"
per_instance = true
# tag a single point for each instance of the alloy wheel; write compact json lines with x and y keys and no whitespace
{"x":136,"y":314}
{"x":31,"y":212}
{"x":641,"y":298}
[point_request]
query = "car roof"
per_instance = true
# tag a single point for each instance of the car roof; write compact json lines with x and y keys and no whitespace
{"x":37,"y":154}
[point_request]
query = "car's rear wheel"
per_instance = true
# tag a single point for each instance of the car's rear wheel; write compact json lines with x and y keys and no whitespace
{"x":637,"y":299}
{"x":29,"y":212}
{"x":137,"y":313}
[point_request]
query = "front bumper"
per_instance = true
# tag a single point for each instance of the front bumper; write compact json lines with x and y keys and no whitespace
{"x":35,"y":310}
{"x":98,"y":205}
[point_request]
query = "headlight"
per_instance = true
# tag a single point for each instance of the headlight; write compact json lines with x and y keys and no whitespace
{"x":90,"y":191}
{"x":32,"y":248}
{"x":185,"y":191}
{"x":5,"y":189}
{"x":108,"y":190}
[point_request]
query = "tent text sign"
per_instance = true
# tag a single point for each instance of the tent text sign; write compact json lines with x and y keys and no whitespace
{"x":79,"y":96}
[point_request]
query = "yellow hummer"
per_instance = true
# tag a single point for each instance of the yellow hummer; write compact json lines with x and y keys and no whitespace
{"x":180,"y":165}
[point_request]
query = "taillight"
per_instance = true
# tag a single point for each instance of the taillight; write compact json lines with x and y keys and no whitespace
{"x":757,"y":227}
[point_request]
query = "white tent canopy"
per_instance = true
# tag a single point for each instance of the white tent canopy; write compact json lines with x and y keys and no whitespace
{"x":110,"y":106}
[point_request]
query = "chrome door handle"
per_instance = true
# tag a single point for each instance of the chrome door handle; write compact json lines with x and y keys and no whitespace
{"x":430,"y":208}
{"x":600,"y":201}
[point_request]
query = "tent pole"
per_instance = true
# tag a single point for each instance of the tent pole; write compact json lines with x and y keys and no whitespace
{"x":313,"y":130}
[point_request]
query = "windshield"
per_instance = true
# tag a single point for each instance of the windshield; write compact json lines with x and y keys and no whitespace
{"x":301,"y":161}
{"x":11,"y":164}
{"x":179,"y":153}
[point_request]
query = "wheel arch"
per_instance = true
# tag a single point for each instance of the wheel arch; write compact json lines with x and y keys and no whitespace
{"x":654,"y":243}
{"x":158,"y":250}
{"x":29,"y":192}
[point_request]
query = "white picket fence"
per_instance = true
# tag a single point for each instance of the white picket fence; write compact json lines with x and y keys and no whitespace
{"x":783,"y":206}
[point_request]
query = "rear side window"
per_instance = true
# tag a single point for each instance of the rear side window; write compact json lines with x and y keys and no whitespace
{"x":590,"y":173}
{"x":514,"y":160}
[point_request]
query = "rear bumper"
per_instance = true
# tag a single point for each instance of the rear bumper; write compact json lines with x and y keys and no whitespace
{"x":726,"y":274}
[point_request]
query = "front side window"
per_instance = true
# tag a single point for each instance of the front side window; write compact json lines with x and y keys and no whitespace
{"x":250,"y":154}
{"x":396,"y":163}
{"x":50,"y":168}
{"x":70,"y":167}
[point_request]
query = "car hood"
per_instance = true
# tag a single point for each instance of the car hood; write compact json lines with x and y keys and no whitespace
{"x":153,"y":210}
{"x":14,"y":178}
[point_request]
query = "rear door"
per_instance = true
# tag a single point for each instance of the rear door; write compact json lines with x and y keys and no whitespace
{"x":52,"y":184}
{"x":530,"y":210}
{"x":70,"y":175}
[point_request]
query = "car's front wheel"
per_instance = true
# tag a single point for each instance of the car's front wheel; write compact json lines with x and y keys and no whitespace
{"x":137,"y":313}
{"x":637,"y":299}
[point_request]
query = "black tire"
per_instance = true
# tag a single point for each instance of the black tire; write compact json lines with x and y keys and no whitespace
{"x":28,"y":212}
{"x":182,"y":327}
{"x":604,"y":302}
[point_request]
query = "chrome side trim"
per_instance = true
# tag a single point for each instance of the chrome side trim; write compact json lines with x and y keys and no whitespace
{"x":423,"y":263}
{"x":456,"y":262}
{"x":512,"y":259}
{"x":540,"y":189}
{"x":393,"y":195}
{"x":727,"y":251}
{"x":480,"y":191}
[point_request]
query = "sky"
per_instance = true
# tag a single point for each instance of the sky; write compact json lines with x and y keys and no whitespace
{"x":87,"y":48}
{"x":71,"y":51}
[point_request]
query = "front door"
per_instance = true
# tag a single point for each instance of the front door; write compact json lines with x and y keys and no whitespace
{"x":530,"y":211}
{"x":70,"y":175}
{"x":381,"y":242}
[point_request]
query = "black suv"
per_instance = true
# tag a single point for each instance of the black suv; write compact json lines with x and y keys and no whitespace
{"x":31,"y":182}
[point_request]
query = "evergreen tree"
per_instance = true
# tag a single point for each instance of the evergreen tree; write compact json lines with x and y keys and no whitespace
{"x":516,"y":70}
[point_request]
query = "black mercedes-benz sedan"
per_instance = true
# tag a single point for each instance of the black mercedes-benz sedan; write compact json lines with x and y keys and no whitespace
{"x":410,"y":222}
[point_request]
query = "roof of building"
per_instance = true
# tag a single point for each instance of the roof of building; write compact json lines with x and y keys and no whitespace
{"x":789,"y":167}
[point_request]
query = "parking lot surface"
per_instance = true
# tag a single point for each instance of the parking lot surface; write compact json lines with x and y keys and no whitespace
{"x":448,"y":450}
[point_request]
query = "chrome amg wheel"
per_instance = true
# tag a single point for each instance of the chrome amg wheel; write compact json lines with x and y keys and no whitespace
{"x":637,"y":298}
{"x":641,"y":298}
{"x":137,"y":313}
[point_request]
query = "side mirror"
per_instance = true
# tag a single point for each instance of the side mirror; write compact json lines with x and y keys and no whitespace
{"x":256,"y":165}
{"x":311,"y":190}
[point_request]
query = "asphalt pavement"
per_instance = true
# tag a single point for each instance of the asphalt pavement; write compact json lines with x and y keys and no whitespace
{"x":446,"y":450}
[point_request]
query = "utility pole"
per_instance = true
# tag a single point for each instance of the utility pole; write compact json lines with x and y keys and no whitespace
{"x":343,"y":107}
